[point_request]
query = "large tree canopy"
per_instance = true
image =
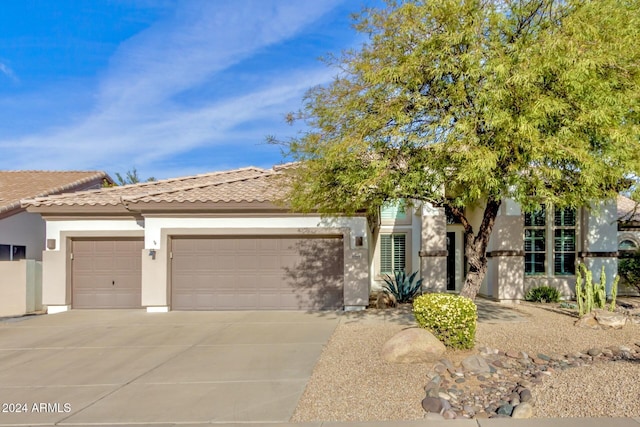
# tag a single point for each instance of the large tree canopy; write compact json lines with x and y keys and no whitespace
{"x":533,"y":100}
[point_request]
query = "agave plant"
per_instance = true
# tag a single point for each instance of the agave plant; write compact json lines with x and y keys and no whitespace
{"x":401,"y":286}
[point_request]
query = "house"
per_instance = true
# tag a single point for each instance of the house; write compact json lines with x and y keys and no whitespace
{"x":525,"y":250}
{"x":207,"y":242}
{"x":22,"y":234}
{"x":220,"y":241}
{"x":628,"y":224}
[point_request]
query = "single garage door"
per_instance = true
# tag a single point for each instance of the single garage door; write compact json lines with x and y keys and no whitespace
{"x":257,"y":272}
{"x":107,"y":273}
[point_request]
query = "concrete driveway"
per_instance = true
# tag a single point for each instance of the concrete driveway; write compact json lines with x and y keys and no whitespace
{"x":129,"y":366}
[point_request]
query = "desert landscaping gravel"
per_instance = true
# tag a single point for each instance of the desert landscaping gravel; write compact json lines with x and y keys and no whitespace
{"x":352,"y":383}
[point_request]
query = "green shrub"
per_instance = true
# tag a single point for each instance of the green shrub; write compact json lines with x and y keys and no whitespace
{"x":543,"y":294}
{"x":451,"y":318}
{"x":629,"y":270}
{"x":401,"y":286}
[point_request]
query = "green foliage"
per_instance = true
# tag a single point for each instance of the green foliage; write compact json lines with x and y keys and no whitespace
{"x":401,"y":286}
{"x":590,"y":295}
{"x":131,"y":177}
{"x":536,"y":101}
{"x":629,"y":270}
{"x":543,"y":294}
{"x":451,"y":318}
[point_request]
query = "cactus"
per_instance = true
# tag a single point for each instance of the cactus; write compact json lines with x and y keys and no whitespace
{"x":593,"y":295}
{"x":614,"y":293}
{"x":579,"y":293}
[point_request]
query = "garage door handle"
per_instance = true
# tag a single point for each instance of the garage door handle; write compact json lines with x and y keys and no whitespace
{"x":113,"y":282}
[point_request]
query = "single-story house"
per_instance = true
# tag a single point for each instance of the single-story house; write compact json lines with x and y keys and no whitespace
{"x":220,"y":241}
{"x":22,"y":234}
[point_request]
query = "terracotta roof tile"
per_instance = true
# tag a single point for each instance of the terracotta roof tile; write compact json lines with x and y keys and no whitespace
{"x":628,"y":209}
{"x":248,"y":184}
{"x":18,"y":185}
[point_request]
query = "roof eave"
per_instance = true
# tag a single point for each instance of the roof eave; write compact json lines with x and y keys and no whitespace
{"x":76,"y":209}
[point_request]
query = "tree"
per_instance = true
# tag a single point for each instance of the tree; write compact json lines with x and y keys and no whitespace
{"x":467,"y":102}
{"x":130,"y":177}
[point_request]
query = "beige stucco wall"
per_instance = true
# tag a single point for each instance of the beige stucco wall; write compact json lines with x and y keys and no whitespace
{"x":20,"y":287}
{"x":158,"y":230}
{"x":24,"y":229}
{"x":433,"y":248}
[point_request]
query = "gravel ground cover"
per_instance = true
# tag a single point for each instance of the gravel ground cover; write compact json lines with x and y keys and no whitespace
{"x":352,"y":383}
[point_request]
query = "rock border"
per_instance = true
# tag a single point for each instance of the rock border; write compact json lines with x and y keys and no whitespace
{"x":498,"y":384}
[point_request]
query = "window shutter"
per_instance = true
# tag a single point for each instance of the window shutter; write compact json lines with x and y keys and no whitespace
{"x":399,"y":250}
{"x":386,"y":260}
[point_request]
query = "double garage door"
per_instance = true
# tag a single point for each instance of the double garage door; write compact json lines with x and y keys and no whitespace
{"x":215,"y":273}
{"x":235,"y":273}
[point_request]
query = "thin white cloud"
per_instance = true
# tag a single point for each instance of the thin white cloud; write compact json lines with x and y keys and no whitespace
{"x":4,"y":69}
{"x":137,"y":118}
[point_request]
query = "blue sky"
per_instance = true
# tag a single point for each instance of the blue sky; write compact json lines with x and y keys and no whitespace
{"x":171,"y":88}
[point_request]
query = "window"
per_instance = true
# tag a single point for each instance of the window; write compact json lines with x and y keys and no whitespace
{"x":627,"y":245}
{"x":534,"y":242}
{"x":550,"y":238}
{"x":392,"y":253}
{"x":393,"y":211}
{"x":564,"y":242}
{"x":12,"y":252}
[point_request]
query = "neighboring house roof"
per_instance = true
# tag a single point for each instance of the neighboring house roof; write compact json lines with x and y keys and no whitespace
{"x":18,"y":185}
{"x":248,"y":184}
{"x":628,"y":209}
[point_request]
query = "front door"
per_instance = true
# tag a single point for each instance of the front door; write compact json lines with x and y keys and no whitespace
{"x":451,"y":261}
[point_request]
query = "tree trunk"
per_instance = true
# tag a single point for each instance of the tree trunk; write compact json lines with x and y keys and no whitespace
{"x":476,"y":250}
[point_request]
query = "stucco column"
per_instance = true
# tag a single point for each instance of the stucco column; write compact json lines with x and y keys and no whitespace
{"x":505,"y":253}
{"x":600,"y":241}
{"x":433,"y":249}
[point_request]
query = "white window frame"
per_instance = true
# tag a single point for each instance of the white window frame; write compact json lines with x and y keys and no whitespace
{"x":392,"y":235}
{"x":550,"y":238}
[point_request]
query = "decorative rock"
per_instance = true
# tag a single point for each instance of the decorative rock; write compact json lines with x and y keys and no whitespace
{"x":523,"y":410}
{"x":449,"y":415}
{"x":514,"y":354}
{"x":588,"y":321}
{"x":386,"y":300}
{"x":610,"y":319}
{"x":505,"y":409}
{"x":506,"y":391}
{"x":432,"y":404}
{"x":476,"y":364}
{"x":445,"y":396}
{"x":594,"y":352}
{"x":412,"y":345}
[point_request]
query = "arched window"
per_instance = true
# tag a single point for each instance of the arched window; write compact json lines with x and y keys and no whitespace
{"x":627,"y":245}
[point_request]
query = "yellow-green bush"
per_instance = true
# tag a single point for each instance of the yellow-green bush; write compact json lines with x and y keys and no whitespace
{"x":451,"y":318}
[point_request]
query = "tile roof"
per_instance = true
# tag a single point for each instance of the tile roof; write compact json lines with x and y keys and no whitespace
{"x":248,"y":184}
{"x":17,"y":185}
{"x":628,"y":209}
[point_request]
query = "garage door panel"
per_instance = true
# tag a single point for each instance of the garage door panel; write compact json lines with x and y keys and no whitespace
{"x":257,"y":272}
{"x":106,"y":273}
